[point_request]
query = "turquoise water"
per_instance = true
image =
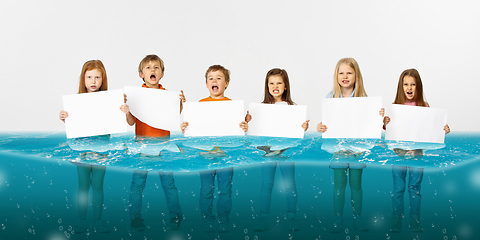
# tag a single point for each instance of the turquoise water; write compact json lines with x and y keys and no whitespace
{"x":38,"y":186}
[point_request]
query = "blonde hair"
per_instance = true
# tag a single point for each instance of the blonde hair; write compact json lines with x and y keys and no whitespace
{"x":91,"y":65}
{"x":359,"y":89}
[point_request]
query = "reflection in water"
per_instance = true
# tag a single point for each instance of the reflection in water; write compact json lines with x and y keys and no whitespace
{"x":37,"y":197}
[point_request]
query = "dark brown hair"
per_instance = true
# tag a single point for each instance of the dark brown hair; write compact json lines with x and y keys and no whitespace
{"x":400,"y":98}
{"x":268,"y":98}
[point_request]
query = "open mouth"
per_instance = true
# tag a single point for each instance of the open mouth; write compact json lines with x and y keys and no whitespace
{"x":276,"y":91}
{"x":214,"y":88}
{"x":153,"y":77}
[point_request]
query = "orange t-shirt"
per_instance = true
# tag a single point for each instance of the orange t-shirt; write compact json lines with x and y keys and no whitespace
{"x":143,"y":129}
{"x":208,"y":99}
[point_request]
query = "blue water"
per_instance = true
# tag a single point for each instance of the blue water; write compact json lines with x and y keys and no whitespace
{"x":38,"y":186}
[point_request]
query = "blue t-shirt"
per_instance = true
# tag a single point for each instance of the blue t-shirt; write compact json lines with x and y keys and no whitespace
{"x":330,"y":94}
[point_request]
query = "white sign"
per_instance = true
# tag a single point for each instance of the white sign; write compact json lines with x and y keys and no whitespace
{"x":274,"y":120}
{"x":157,"y":108}
{"x":357,"y":117}
{"x":219,"y":118}
{"x":97,"y":113}
{"x":419,"y":124}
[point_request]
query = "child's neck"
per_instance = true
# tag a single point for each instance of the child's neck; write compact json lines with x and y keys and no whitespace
{"x":218,"y":97}
{"x":346,"y":92}
{"x":277,"y":99}
{"x":152,"y":86}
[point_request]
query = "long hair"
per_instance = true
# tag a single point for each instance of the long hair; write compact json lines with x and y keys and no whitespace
{"x":268,"y":98}
{"x":359,"y":89}
{"x":91,"y":65}
{"x":400,"y":97}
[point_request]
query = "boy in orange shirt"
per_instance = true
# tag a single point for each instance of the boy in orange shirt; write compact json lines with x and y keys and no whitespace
{"x":217,"y":80}
{"x":151,"y":70}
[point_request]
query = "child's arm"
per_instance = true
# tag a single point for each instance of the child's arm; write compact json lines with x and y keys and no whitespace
{"x":126,"y":109}
{"x":305,"y":125}
{"x":182,"y":100}
{"x":63,"y":114}
{"x":321,"y":128}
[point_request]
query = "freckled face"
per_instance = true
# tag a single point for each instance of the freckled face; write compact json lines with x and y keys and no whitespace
{"x":346,"y":76}
{"x":93,"y":80}
{"x":216,"y":84}
{"x":409,"y":88}
{"x":276,"y":87}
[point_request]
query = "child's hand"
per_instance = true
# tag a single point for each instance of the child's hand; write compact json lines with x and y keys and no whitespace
{"x":446,"y":128}
{"x":182,"y":97}
{"x":321,"y":128}
{"x":244,"y":126}
{"x":382,"y":112}
{"x":305,"y":125}
{"x":183,"y":126}
{"x":125,"y":108}
{"x":386,"y":120}
{"x":63,"y":114}
{"x":182,"y":100}
{"x":248,"y":117}
{"x":125,"y":98}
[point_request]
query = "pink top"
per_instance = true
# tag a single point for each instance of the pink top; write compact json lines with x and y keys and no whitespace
{"x":414,"y":104}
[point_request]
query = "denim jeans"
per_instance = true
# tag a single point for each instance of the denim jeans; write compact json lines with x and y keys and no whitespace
{"x":268,"y":178}
{"x":207,"y":188}
{"x":168,"y":185}
{"x":414,"y":181}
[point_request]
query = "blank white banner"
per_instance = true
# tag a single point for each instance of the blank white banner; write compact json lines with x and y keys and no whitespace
{"x":419,"y":124}
{"x":157,"y":108}
{"x":97,"y":113}
{"x":273,"y":120}
{"x":220,"y":118}
{"x":352,"y":117}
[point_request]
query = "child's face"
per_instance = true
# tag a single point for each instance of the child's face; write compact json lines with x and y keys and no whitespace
{"x":346,"y":76}
{"x":151,"y":73}
{"x":93,"y":80}
{"x":216,"y":84}
{"x":409,"y":87}
{"x":276,"y":87}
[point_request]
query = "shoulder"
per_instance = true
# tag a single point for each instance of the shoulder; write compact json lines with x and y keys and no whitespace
{"x":329,"y":95}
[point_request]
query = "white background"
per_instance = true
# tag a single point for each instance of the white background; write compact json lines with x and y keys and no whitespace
{"x":44,"y":44}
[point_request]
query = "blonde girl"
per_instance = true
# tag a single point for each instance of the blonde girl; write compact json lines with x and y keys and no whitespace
{"x":347,"y":82}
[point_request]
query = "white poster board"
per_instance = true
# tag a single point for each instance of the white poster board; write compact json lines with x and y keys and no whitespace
{"x":97,"y":113}
{"x":220,"y":118}
{"x":352,"y":117}
{"x":157,"y":108}
{"x":419,"y":124}
{"x":274,"y":120}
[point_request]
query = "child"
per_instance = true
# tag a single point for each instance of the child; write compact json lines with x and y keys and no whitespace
{"x":151,"y":70}
{"x":347,"y":82}
{"x":409,"y":92}
{"x":217,"y":80}
{"x":277,"y":91}
{"x":93,"y":78}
